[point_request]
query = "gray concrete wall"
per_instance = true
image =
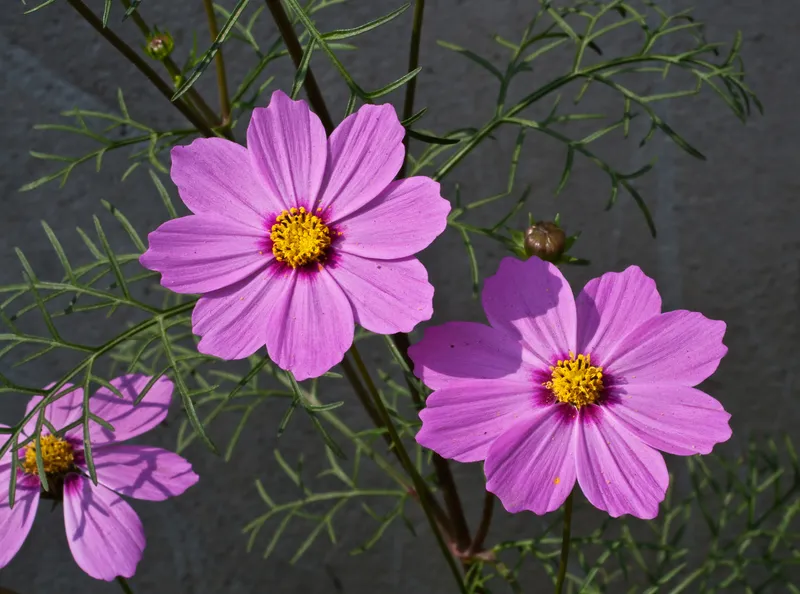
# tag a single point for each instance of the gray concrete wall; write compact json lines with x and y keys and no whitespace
{"x":728,"y":247}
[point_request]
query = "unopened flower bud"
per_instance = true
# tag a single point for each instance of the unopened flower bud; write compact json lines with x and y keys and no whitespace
{"x":159,"y":45}
{"x":545,"y":240}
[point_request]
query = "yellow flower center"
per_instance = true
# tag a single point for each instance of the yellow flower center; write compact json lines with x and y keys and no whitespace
{"x":299,"y":237}
{"x":576,"y":381}
{"x":57,"y":456}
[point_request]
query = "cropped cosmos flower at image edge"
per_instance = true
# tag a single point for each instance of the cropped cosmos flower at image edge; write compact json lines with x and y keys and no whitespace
{"x":104,"y":534}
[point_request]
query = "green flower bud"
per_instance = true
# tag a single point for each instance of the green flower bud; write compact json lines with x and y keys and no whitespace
{"x":545,"y":240}
{"x":159,"y":45}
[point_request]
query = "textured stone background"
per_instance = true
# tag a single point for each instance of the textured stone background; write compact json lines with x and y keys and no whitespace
{"x":727,"y":246}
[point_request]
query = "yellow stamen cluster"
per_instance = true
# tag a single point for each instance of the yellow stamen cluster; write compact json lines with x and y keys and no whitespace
{"x":299,"y":237}
{"x":57,"y":455}
{"x":576,"y":381}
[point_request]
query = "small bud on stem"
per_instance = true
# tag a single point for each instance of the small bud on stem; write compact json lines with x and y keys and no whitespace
{"x":545,"y":240}
{"x":159,"y":45}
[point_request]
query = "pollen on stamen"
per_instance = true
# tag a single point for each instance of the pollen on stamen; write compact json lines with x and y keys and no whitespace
{"x":299,"y":238}
{"x":575,"y":380}
{"x":57,"y":456}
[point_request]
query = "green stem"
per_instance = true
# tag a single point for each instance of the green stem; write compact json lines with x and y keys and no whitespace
{"x":408,"y":465}
{"x":565,"y":542}
{"x":222,"y":78}
{"x":172,"y":68}
{"x":141,"y":65}
{"x":123,"y":583}
{"x":444,"y":475}
{"x":541,"y":92}
{"x":99,"y":351}
{"x":483,"y":528}
{"x":296,"y":52}
{"x":413,"y":64}
{"x":442,"y":467}
{"x":364,"y":397}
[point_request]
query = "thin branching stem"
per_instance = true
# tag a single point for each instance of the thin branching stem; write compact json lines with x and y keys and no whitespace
{"x":123,"y":583}
{"x":141,"y":65}
{"x":550,"y":87}
{"x":413,"y":64}
{"x":483,"y":528}
{"x":408,"y":465}
{"x":219,"y":60}
{"x":52,"y":394}
{"x":296,"y":52}
{"x":444,"y":476}
{"x":565,"y":544}
{"x":174,"y":71}
{"x":363,"y":395}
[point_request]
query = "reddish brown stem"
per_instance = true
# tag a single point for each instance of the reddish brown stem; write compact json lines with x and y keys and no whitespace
{"x":296,"y":52}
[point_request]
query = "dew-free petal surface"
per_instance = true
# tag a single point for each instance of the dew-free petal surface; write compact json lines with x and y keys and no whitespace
{"x":288,"y":150}
{"x":60,"y":413}
{"x":460,"y":352}
{"x":462,"y":421}
{"x":618,"y":472}
{"x":388,"y":296}
{"x":365,"y":153}
{"x":611,"y":307}
{"x":16,"y":522}
{"x":404,"y":219}
{"x":531,"y":467}
{"x":143,"y":472}
{"x":677,"y":347}
{"x":215,"y":176}
{"x":532,"y":300}
{"x":104,"y":534}
{"x":675,"y":419}
{"x":202,"y":253}
{"x":233,"y":320}
{"x":129,"y":420}
{"x":311,"y":325}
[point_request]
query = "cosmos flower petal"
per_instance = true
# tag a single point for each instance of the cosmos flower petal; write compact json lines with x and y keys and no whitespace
{"x":403,"y":220}
{"x":233,"y":320}
{"x":678,"y":347}
{"x":59,"y":413}
{"x":288,"y":149}
{"x":143,"y":472}
{"x":617,"y":472}
{"x":365,"y":153}
{"x":105,"y":535}
{"x":533,"y":301}
{"x":310,"y":327}
{"x":531,"y":467}
{"x":129,"y":420}
{"x":675,"y":419}
{"x":388,"y":296}
{"x":460,"y":352}
{"x":16,"y":522}
{"x":202,"y":253}
{"x":462,"y":421}
{"x":215,"y":176}
{"x":611,"y":307}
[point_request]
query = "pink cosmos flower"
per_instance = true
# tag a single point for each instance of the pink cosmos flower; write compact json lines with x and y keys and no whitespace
{"x":298,"y":236}
{"x":559,"y":389}
{"x":105,"y":535}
